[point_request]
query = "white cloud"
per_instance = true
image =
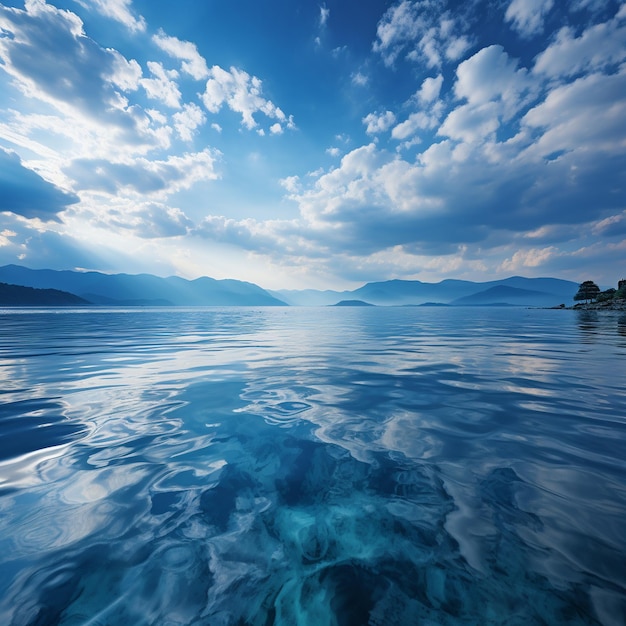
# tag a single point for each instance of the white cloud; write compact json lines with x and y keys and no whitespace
{"x":597,"y":47}
{"x":125,"y":74}
{"x":586,"y":116}
{"x":474,"y":185}
{"x":613,"y":226}
{"x":242,"y":93}
{"x":399,"y":25}
{"x":162,"y":87}
{"x":52,"y":61}
{"x":261,"y":237}
{"x":290,"y":183}
{"x":118,"y":10}
{"x":416,"y":121}
{"x":423,"y":31}
{"x":188,"y":120}
{"x":533,"y":257}
{"x":527,"y":16}
{"x":359,"y":79}
{"x":192,"y":62}
{"x":378,"y":122}
{"x":333,"y":151}
{"x":158,"y":178}
{"x":491,"y":75}
{"x":276,"y":129}
{"x":456,"y":47}
{"x":430,"y":89}
{"x":593,"y":5}
{"x":324,"y":15}
{"x":150,"y":220}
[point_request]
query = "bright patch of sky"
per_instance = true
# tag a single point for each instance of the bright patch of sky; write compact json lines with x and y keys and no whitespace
{"x":315,"y":144}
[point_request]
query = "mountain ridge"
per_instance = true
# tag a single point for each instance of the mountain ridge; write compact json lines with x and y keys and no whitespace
{"x":150,"y":290}
{"x":544,"y":291}
{"x":141,"y":289}
{"x":20,"y":296}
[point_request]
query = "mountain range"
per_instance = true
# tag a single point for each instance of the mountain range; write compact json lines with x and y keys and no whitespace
{"x":141,"y":289}
{"x":148,"y":290}
{"x":15,"y":295}
{"x":513,"y":291}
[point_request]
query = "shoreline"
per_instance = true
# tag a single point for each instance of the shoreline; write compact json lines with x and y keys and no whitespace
{"x":619,"y":305}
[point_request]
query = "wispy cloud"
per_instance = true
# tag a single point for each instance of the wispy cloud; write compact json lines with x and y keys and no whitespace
{"x":192,"y":61}
{"x":527,"y":16}
{"x":119,"y":10}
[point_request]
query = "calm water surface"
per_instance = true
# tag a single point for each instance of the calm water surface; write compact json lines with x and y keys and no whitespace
{"x":320,"y":466}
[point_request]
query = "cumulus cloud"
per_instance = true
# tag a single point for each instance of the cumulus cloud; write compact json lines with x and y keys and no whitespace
{"x":26,"y":193}
{"x":423,"y":31}
{"x":470,"y":123}
{"x":491,"y":75}
{"x":124,"y":74}
{"x":527,"y":16}
{"x":378,"y":122}
{"x":472,"y":185}
{"x":162,"y":85}
{"x":242,"y":93}
{"x":430,"y":89}
{"x":414,"y":123}
{"x":188,"y":120}
{"x":192,"y":62}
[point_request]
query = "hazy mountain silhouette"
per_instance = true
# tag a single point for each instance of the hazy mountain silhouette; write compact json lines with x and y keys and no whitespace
{"x":16,"y":295}
{"x":142,"y":289}
{"x":503,"y":294}
{"x":149,"y":290}
{"x":519,"y":291}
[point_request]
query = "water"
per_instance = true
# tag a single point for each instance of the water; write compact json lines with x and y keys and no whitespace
{"x":291,"y":466}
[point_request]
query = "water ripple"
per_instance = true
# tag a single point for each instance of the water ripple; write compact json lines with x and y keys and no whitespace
{"x":324,"y":466}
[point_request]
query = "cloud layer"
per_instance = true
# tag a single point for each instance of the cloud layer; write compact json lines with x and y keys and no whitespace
{"x":425,"y":146}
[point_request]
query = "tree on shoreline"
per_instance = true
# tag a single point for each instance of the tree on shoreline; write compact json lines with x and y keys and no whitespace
{"x":587,"y":291}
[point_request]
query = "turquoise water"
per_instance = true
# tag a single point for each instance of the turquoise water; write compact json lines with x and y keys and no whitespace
{"x":291,"y":466}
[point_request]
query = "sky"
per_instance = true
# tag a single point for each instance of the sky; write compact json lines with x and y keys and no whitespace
{"x":299,"y":144}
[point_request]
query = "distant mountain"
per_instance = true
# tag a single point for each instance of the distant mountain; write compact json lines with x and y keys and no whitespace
{"x":16,"y":295}
{"x":142,"y":289}
{"x":149,"y":290}
{"x":521,"y":291}
{"x":503,"y":294}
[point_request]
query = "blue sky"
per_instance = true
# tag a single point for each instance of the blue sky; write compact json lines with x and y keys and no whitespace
{"x":307,"y":144}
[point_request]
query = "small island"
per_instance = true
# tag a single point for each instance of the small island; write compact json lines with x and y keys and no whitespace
{"x":353,"y":303}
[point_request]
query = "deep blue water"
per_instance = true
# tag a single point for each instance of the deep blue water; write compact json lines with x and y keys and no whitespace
{"x":320,"y":466}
